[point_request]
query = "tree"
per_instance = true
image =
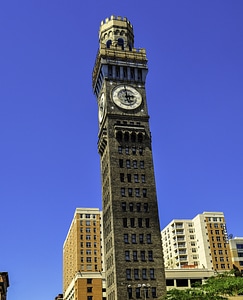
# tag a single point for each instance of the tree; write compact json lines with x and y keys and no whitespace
{"x":216,"y":288}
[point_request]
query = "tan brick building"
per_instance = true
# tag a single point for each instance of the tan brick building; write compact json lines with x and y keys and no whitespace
{"x":82,"y":264}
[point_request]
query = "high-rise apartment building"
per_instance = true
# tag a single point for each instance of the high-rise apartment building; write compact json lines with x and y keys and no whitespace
{"x":82,"y":257}
{"x":132,"y":241}
{"x":201,"y":242}
{"x":236,"y":249}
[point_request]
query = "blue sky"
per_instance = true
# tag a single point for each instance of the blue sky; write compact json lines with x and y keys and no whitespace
{"x":49,"y":122}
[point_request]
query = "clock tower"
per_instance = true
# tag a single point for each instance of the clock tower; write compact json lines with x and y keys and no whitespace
{"x":132,"y":240}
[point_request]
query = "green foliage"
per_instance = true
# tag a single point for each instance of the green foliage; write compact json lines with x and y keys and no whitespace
{"x":216,"y":288}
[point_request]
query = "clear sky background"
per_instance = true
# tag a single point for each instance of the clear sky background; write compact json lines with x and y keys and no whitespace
{"x":49,"y":163}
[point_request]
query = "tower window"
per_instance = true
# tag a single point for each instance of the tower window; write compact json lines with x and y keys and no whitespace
{"x":123,"y":192}
{"x":129,"y":177}
{"x":140,"y":137}
{"x":144,"y":192}
{"x":118,"y":72}
{"x":135,"y":164}
{"x":127,"y":255}
{"x":133,"y":137}
{"x":132,"y":222}
{"x":140,"y":151}
{"x":152,"y":274}
{"x":126,"y":137}
{"x":134,"y":241}
{"x":135,"y":177}
{"x":135,"y":255}
{"x":121,"y":163}
{"x":154,"y":294}
{"x":127,"y":150}
{"x":142,"y":164}
{"x":150,"y":255}
{"x":120,"y":149}
{"x":144,"y":273}
{"x":120,"y":42}
{"x":130,"y":192}
{"x":119,"y":136}
{"x":122,"y":177}
{"x":140,"y":222}
{"x":125,"y":222}
{"x":149,"y":240}
{"x":147,"y":222}
{"x":141,"y":238}
{"x":126,"y":238}
{"x":137,"y":192}
{"x":136,"y":277}
{"x":142,"y":253}
{"x":125,"y":72}
{"x":134,"y":150}
{"x":131,"y":206}
{"x":138,"y":207}
{"x":128,"y":273}
{"x":110,"y":71}
{"x":143,"y":178}
{"x":124,"y":206}
{"x":145,"y":207}
{"x":108,"y":43}
{"x":128,"y":163}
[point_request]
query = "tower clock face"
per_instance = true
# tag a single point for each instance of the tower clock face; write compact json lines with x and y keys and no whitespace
{"x":126,"y":97}
{"x":101,"y":107}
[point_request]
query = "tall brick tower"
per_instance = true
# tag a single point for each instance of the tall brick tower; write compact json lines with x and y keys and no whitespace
{"x":132,"y":240}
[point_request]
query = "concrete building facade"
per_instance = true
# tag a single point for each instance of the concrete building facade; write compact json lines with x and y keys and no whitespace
{"x":201,"y":242}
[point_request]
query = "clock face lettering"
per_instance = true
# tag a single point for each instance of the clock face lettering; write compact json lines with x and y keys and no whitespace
{"x":101,"y":107}
{"x":126,"y":97}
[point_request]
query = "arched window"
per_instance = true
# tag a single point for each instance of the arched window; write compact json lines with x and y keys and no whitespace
{"x":126,"y":137}
{"x":108,"y":43}
{"x":120,"y":42}
{"x":119,"y":136}
{"x":140,"y":137}
{"x":133,"y":137}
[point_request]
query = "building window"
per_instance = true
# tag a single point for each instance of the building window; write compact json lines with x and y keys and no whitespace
{"x":123,"y":192}
{"x":130,"y":192}
{"x":88,"y":252}
{"x":89,"y":297}
{"x":89,"y":289}
{"x":88,"y":223}
{"x":152,"y":274}
{"x":88,"y":245}
{"x":135,"y":164}
{"x":154,"y":294}
{"x":88,"y":259}
{"x":142,"y":164}
{"x":137,"y":192}
{"x":133,"y":148}
{"x":89,"y":281}
{"x":88,"y":237}
{"x":136,"y":274}
{"x":128,"y":163}
{"x":129,"y":178}
{"x":145,"y":207}
{"x":142,"y":253}
{"x":144,"y":273}
{"x":120,"y":149}
{"x":147,"y":222}
{"x":140,"y":222}
{"x":124,"y":222}
{"x":143,"y":178}
{"x":140,"y":151}
{"x":138,"y":207}
{"x":124,"y":206}
{"x":149,"y":240}
{"x":132,"y":222}
{"x":129,"y":291}
{"x":150,"y":255}
{"x":141,"y":238}
{"x":122,"y":177}
{"x":127,"y":255}
{"x":138,"y":293}
{"x":121,"y":163}
{"x":128,"y":273}
{"x":144,"y":192}
{"x":134,"y":238}
{"x":126,"y":238}
{"x":127,"y":150}
{"x":135,"y":255}
{"x":136,"y":178}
